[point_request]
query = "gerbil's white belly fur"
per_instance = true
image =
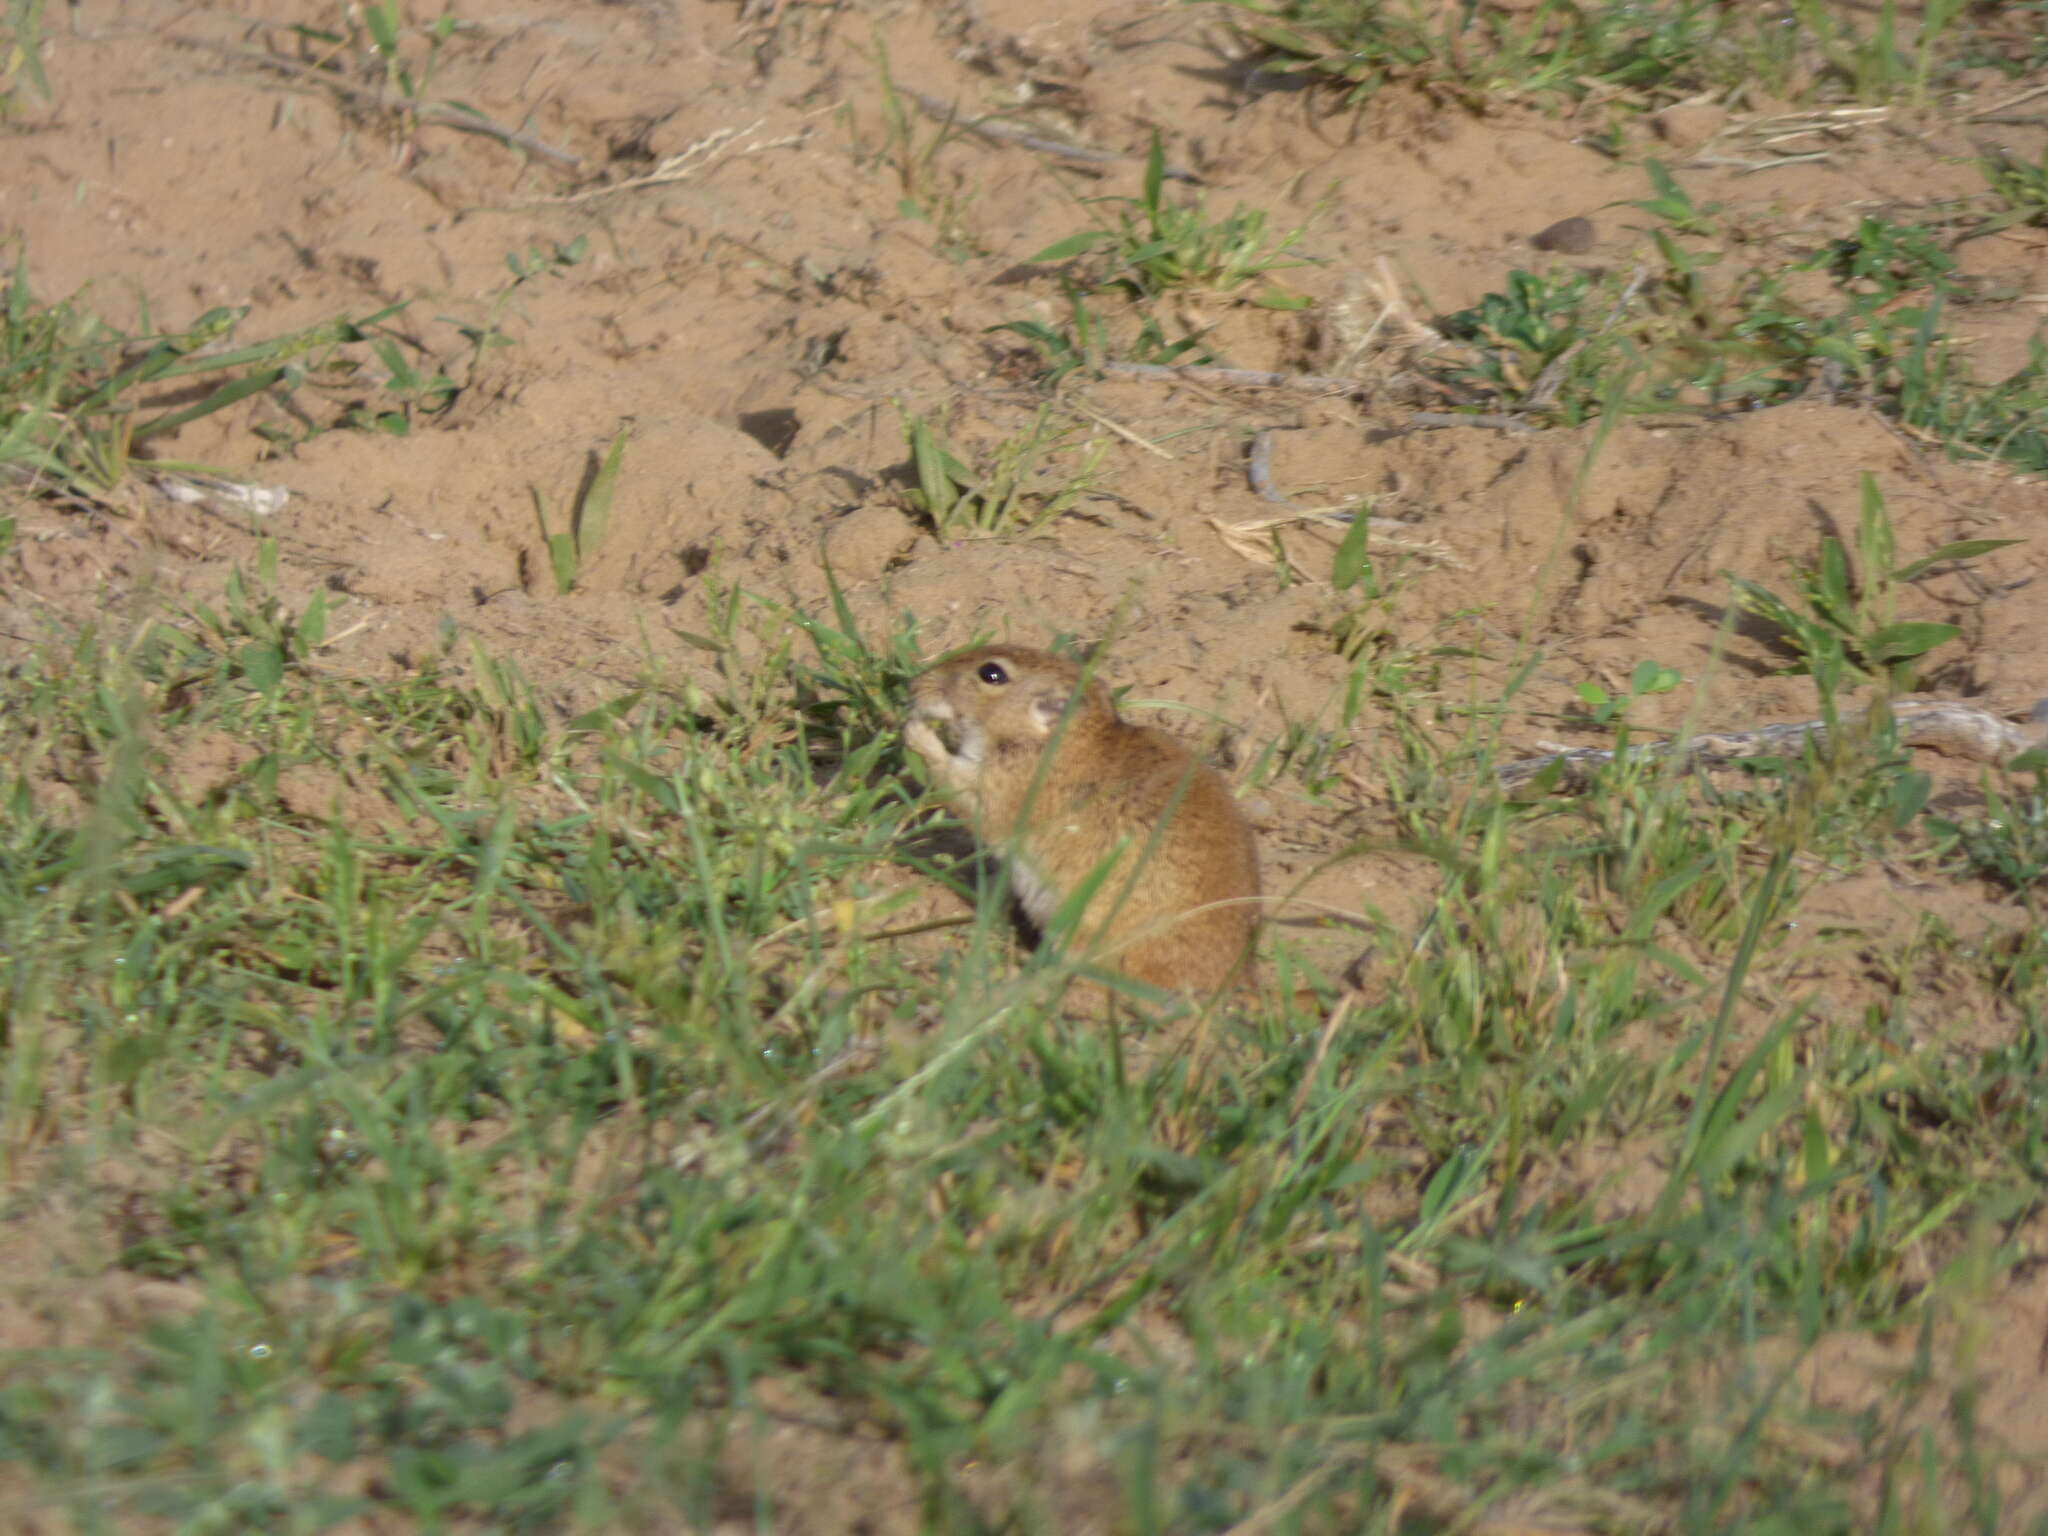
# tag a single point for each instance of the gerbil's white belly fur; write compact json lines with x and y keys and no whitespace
{"x":1033,"y":891}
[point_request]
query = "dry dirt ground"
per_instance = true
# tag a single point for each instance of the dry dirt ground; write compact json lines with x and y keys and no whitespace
{"x":759,"y":290}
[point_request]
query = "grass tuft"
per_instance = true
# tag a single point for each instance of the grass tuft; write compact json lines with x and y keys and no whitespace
{"x":1635,"y":56}
{"x":494,"y":1117}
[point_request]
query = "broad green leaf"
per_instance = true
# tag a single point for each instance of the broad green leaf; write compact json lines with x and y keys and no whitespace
{"x":1831,"y":596}
{"x":312,"y":626}
{"x":1766,"y":604}
{"x":934,"y":482}
{"x":262,"y":664}
{"x":1901,"y":642}
{"x":594,"y":514}
{"x":230,"y":392}
{"x":383,"y":27}
{"x":1666,"y":184}
{"x":1155,"y":173}
{"x":182,"y":867}
{"x":26,"y":20}
{"x":1966,"y":549}
{"x":402,"y":372}
{"x":1875,"y":542}
{"x":1073,"y":245}
{"x":1038,"y":332}
{"x":1351,"y":554}
{"x":1909,"y":795}
{"x":562,"y":556}
{"x":1653,"y":677}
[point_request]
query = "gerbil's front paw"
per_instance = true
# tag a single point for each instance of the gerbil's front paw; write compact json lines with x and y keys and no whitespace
{"x":948,"y":751}
{"x":919,"y":736}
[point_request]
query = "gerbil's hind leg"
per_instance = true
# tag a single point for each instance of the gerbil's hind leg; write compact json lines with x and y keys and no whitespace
{"x":1204,"y":955}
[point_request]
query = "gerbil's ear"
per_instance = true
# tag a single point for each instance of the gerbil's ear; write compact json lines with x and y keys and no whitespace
{"x":1046,"y":709}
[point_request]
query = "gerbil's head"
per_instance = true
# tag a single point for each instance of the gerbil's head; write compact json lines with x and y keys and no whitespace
{"x":997,"y":699}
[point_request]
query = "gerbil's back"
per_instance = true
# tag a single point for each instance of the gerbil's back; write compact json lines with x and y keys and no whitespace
{"x":1209,"y":834}
{"x":1180,"y":904}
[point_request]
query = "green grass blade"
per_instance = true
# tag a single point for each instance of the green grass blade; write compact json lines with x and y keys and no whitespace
{"x":594,"y":511}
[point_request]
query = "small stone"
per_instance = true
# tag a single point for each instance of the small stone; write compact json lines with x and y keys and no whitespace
{"x":1686,"y":125}
{"x":1568,"y":237}
{"x":867,"y":541}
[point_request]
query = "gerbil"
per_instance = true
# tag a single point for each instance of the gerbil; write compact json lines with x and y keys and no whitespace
{"x":1053,"y":780}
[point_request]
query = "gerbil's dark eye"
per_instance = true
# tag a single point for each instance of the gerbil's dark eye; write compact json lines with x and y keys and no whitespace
{"x":992,"y":673}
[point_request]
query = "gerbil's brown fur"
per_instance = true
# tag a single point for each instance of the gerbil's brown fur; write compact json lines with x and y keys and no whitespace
{"x":1051,"y":778}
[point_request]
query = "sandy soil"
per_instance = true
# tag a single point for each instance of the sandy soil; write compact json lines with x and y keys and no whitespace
{"x":759,"y":292}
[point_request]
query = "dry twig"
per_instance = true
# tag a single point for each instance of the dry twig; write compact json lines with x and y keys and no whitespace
{"x":682,"y":165}
{"x":1009,"y":133}
{"x":1247,"y":378}
{"x":447,"y":115}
